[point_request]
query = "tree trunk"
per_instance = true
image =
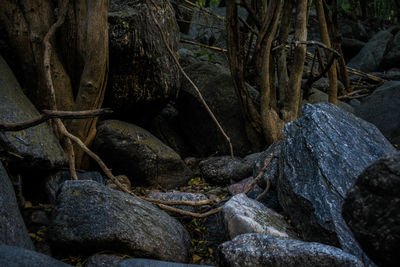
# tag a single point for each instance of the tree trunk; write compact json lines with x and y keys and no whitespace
{"x":79,"y":59}
{"x":332,"y":74}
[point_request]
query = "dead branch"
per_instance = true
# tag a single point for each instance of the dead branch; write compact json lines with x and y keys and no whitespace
{"x":260,"y":196}
{"x":188,"y":213}
{"x":260,"y":174}
{"x":203,"y":45}
{"x":52,"y":114}
{"x":188,"y":78}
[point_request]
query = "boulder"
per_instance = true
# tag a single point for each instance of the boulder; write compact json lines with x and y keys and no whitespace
{"x":318,"y":96}
{"x":183,"y":14}
{"x":154,"y":263}
{"x":103,"y":260}
{"x":215,"y":84}
{"x":272,"y":172}
{"x":351,"y":47}
{"x":54,"y":182}
{"x":136,"y":153}
{"x":382,"y":109}
{"x":244,"y":215}
{"x":323,"y":153}
{"x":223,"y":170}
{"x":258,"y":250}
{"x":370,"y":57}
{"x":179,"y":196}
{"x":372,"y":210}
{"x":33,"y":147}
{"x":92,"y":217}
{"x":12,"y":227}
{"x":391,"y":59}
{"x":11,"y":256}
{"x":241,"y":186}
{"x":143,"y":76}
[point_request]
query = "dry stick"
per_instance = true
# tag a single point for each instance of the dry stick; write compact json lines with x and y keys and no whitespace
{"x":260,"y":174}
{"x":53,"y":103}
{"x":179,"y":202}
{"x":188,"y":213}
{"x":203,"y":45}
{"x":189,"y":80}
{"x":51,"y":114}
{"x":260,"y":196}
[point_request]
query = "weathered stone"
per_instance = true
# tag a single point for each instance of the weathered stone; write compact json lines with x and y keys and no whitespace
{"x":323,"y":153}
{"x":54,"y":182}
{"x":215,"y":84}
{"x":12,"y":227}
{"x":351,"y":47}
{"x":14,"y":256}
{"x":36,"y":146}
{"x":258,"y":250}
{"x":143,"y":76}
{"x":223,"y":170}
{"x":103,"y":260}
{"x":179,"y":196}
{"x":371,"y":55}
{"x":392,"y":57}
{"x":372,"y":210}
{"x":134,"y":152}
{"x":244,"y":215}
{"x":154,"y":263}
{"x":241,"y":186}
{"x":92,"y":217}
{"x":382,"y":109}
{"x":318,"y":96}
{"x":272,"y":172}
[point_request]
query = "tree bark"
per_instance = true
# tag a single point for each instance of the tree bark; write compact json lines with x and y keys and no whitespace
{"x":78,"y":62}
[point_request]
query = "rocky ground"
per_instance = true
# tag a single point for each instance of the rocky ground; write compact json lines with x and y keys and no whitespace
{"x":325,"y":195}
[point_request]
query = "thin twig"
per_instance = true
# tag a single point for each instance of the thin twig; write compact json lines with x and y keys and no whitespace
{"x":188,"y":213}
{"x":260,"y":174}
{"x":203,"y":45}
{"x":188,"y":78}
{"x":51,"y":114}
{"x":260,"y":196}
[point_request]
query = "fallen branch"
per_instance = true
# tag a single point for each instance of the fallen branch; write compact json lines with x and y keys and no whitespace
{"x":188,"y":78}
{"x":52,"y":114}
{"x":203,"y":45}
{"x":188,"y":213}
{"x":260,"y":174}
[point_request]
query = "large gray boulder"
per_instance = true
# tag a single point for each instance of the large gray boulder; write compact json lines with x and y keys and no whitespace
{"x":372,"y":210}
{"x":258,"y":250}
{"x":36,"y":146}
{"x":215,"y":84}
{"x":382,"y":108}
{"x":179,"y":196}
{"x":12,"y":227}
{"x":370,"y":57}
{"x":90,"y":216}
{"x":11,"y":256}
{"x":143,"y":76}
{"x":323,"y":153}
{"x":136,"y":153}
{"x":244,"y":215}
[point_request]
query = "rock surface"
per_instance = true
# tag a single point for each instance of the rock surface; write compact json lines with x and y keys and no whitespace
{"x":223,"y":170}
{"x":143,"y":76}
{"x":154,"y":263}
{"x":370,"y":57}
{"x":92,"y":217}
{"x":244,"y":215}
{"x":323,"y":153}
{"x":382,"y":109}
{"x":392,"y":57}
{"x":258,"y":250}
{"x":215,"y":84}
{"x":12,"y":227}
{"x":36,"y":146}
{"x":11,"y":256}
{"x":134,"y":152}
{"x":372,"y":210}
{"x":103,"y":260}
{"x":179,"y":196}
{"x":54,"y":182}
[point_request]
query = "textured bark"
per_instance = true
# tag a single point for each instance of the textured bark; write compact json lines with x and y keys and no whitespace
{"x":332,"y":74}
{"x":79,"y":72}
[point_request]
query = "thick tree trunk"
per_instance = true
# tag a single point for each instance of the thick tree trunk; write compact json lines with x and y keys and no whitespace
{"x":79,"y":59}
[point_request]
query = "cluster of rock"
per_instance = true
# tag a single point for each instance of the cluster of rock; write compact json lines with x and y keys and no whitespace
{"x":333,"y":199}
